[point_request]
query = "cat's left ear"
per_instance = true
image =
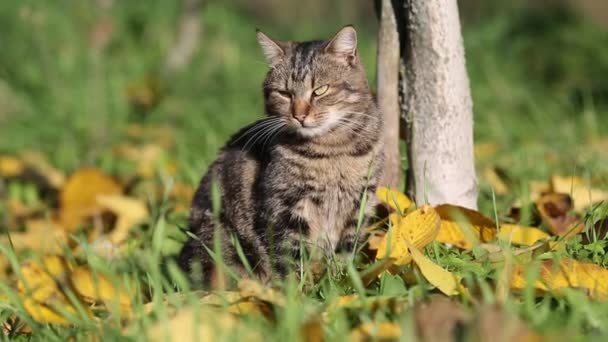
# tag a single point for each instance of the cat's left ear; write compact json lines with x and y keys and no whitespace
{"x":344,"y":44}
{"x":274,"y":51}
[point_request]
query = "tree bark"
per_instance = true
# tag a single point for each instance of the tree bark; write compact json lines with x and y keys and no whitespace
{"x":438,"y":106}
{"x":387,"y":78}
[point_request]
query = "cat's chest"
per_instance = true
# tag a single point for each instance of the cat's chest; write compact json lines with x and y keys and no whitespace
{"x":324,"y":193}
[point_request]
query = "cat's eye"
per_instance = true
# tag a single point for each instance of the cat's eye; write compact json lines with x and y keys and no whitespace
{"x":321,"y":90}
{"x":284,"y":93}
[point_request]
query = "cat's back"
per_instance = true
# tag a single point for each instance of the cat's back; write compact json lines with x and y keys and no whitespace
{"x":235,"y":174}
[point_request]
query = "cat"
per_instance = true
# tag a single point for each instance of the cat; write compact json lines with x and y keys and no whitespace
{"x":296,"y":178}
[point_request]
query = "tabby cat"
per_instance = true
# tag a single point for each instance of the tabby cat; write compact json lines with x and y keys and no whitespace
{"x":296,"y":178}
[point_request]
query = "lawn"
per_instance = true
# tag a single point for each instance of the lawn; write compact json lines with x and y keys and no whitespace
{"x":86,"y":108}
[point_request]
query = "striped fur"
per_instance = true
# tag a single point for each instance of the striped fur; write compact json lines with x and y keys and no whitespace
{"x":297,"y":177}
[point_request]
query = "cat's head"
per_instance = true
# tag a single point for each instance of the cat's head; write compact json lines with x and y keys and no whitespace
{"x":315,"y":86}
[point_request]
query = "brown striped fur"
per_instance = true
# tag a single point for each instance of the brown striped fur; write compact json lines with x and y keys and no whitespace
{"x":297,"y":177}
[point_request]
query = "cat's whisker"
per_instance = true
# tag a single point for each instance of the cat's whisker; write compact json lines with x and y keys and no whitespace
{"x":256,"y":135}
{"x":251,"y":134}
{"x":363,"y":114}
{"x":258,"y":125}
{"x":261,"y":134}
{"x":273,"y":135}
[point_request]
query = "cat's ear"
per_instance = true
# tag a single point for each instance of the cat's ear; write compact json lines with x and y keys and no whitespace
{"x":273,"y":50}
{"x":344,"y":44}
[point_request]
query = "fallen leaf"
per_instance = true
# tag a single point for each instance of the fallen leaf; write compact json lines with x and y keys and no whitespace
{"x":444,"y":280}
{"x":519,"y":235}
{"x":537,"y":188}
{"x":419,"y":228}
{"x":567,"y":273}
{"x":312,"y":331}
{"x":129,"y":211}
{"x":97,"y":287}
{"x":394,"y":199}
{"x":463,"y":227}
{"x":495,"y":178}
{"x":251,"y":288}
{"x":493,"y":323}
{"x":582,"y":194}
{"x":554,"y":209}
{"x":78,"y":198}
{"x":190,"y":325}
{"x":41,"y":235}
{"x":439,"y":319}
{"x":10,"y":166}
{"x":40,"y":166}
{"x":383,"y":331}
{"x":41,"y":289}
{"x":355,"y":303}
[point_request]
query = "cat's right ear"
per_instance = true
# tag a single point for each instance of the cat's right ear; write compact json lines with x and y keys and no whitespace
{"x":273,"y":50}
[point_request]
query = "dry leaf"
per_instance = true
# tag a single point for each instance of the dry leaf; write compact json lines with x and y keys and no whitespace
{"x":495,"y":324}
{"x":10,"y":166}
{"x":40,"y":166}
{"x":493,"y":176}
{"x":526,"y":236}
{"x":382,"y":331}
{"x":41,"y":288}
{"x":42,"y":236}
{"x":419,"y":227}
{"x":439,"y":318}
{"x":444,"y":280}
{"x":78,"y":197}
{"x":567,"y":273}
{"x":129,"y":211}
{"x":394,"y":199}
{"x":188,"y":325}
{"x":251,"y":288}
{"x":463,"y":227}
{"x":537,"y":188}
{"x":582,"y":194}
{"x":554,"y":209}
{"x":312,"y":331}
{"x":97,"y":287}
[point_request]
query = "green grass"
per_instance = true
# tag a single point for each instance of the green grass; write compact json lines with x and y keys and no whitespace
{"x":540,"y":92}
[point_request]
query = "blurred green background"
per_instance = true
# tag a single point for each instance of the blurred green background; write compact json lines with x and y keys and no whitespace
{"x":74,"y":74}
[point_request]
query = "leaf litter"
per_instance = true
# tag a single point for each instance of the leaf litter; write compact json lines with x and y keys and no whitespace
{"x":61,"y":288}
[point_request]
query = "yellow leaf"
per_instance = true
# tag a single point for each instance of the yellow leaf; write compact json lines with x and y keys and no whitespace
{"x":10,"y":166}
{"x":42,"y":236}
{"x":582,"y":194}
{"x":495,"y":180}
{"x":36,"y":162}
{"x":130,"y":211}
{"x":518,"y":235}
{"x":463,"y":227}
{"x":419,"y":227}
{"x":78,"y":198}
{"x":97,"y":287}
{"x":41,"y":288}
{"x":251,"y":288}
{"x":567,"y":273}
{"x":394,"y":199}
{"x":442,"y":279}
{"x":376,"y":332}
{"x":187,"y":325}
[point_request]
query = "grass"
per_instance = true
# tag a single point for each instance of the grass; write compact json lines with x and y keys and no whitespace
{"x":538,"y":84}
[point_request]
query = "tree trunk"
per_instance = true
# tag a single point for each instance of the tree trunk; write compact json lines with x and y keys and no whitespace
{"x":188,"y":37}
{"x":387,"y":77}
{"x":438,"y":106}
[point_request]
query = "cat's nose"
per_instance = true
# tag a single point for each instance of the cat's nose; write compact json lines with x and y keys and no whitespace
{"x":301,"y":109}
